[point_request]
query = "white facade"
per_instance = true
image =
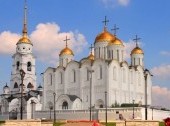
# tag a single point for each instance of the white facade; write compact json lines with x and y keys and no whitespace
{"x":109,"y":71}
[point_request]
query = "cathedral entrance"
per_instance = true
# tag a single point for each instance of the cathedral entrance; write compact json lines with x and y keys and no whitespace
{"x":65,"y":105}
{"x":99,"y":103}
{"x":13,"y":114}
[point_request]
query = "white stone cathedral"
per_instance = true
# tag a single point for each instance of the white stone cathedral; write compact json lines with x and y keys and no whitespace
{"x":76,"y":83}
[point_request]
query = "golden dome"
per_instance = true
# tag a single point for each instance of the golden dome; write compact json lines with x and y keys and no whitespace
{"x":66,"y":51}
{"x":91,"y":56}
{"x":104,"y":36}
{"x":24,"y":39}
{"x":137,"y":50}
{"x":116,"y":42}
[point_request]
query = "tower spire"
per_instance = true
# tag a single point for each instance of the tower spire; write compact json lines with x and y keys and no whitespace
{"x":24,"y":31}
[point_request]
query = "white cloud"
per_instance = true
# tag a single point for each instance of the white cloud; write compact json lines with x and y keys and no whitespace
{"x":8,"y":42}
{"x":47,"y":41}
{"x":165,"y":53}
{"x":113,"y":3}
{"x":160,"y":96}
{"x":129,"y":46}
{"x":161,"y":72}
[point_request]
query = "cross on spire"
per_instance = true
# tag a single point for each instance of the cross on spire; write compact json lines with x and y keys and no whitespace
{"x":66,"y":40}
{"x":91,"y":48}
{"x":105,"y":21}
{"x":115,"y":29}
{"x":136,"y":40}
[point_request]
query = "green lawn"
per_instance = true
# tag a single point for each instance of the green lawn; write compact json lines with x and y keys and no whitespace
{"x":58,"y":123}
{"x":161,"y":124}
{"x":110,"y":124}
{"x":2,"y":122}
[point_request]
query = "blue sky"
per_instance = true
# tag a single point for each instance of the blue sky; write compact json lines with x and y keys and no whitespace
{"x":82,"y":21}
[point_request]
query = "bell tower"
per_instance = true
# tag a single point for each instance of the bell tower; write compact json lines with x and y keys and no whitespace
{"x":25,"y":60}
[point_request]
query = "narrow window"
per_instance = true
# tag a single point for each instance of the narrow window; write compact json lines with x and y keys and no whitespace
{"x":118,"y":55}
{"x":30,"y":86}
{"x":17,"y":65}
{"x":50,"y":78}
{"x":73,"y":76}
{"x":61,"y":78}
{"x":112,"y":54}
{"x":15,"y":85}
{"x":99,"y":52}
{"x":29,"y":66}
{"x":100,"y":72}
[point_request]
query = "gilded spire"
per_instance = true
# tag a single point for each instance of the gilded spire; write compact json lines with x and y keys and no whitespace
{"x":25,"y":38}
{"x":25,"y":19}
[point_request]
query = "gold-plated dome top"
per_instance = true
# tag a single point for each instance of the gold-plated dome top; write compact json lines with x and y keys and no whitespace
{"x":91,"y":56}
{"x":24,"y":38}
{"x":66,"y":51}
{"x":137,"y":50}
{"x":116,"y":42}
{"x":104,"y":36}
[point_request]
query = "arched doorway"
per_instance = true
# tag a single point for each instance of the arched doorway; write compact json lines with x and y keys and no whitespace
{"x":101,"y":106}
{"x":65,"y":105}
{"x":99,"y":103}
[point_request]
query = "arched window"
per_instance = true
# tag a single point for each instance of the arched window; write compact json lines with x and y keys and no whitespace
{"x":100,"y":72}
{"x":65,"y":105}
{"x":50,"y":78}
{"x":118,"y":55}
{"x":29,"y":66}
{"x":30,"y":86}
{"x":17,"y":64}
{"x":114,"y":73}
{"x":109,"y":54}
{"x":99,"y":52}
{"x":73,"y":76}
{"x":131,"y":77}
{"x":15,"y":85}
{"x":112,"y":54}
{"x":60,"y":77}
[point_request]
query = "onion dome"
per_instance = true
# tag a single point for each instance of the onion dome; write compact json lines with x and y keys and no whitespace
{"x":6,"y":89}
{"x":39,"y":88}
{"x":104,"y":36}
{"x":24,"y":38}
{"x":116,"y":42}
{"x":90,"y":57}
{"x":66,"y":51}
{"x":137,"y":50}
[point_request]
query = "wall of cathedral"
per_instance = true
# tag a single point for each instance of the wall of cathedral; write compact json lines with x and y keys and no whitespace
{"x":122,"y":83}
